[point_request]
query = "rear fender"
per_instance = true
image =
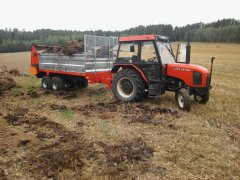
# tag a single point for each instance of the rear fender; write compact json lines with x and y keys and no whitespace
{"x":116,"y":68}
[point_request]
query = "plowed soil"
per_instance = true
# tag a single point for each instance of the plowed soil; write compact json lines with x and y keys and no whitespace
{"x":40,"y":145}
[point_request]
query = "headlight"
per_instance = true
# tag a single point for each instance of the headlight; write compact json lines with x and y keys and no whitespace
{"x":197,"y":78}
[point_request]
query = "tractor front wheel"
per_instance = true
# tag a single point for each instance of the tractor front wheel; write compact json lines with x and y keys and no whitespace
{"x":183,"y":99}
{"x":128,"y":86}
{"x":203,"y":99}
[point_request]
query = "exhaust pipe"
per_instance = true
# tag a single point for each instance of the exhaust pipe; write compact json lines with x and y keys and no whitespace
{"x":188,"y":52}
{"x":210,"y":78}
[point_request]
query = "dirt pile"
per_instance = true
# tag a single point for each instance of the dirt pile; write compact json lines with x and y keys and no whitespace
{"x":70,"y":48}
{"x":63,"y":150}
{"x":2,"y":174}
{"x":133,"y":153}
{"x":128,"y":151}
{"x":133,"y":112}
{"x":15,"y":72}
{"x":6,"y":80}
{"x":63,"y":94}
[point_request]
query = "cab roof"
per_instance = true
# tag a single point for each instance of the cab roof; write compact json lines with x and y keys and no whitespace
{"x":143,"y":38}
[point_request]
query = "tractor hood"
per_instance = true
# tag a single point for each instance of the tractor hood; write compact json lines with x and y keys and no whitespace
{"x":192,"y":75}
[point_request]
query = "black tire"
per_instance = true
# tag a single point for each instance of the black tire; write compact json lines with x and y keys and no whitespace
{"x":82,"y":83}
{"x":57,"y":84}
{"x":183,"y":99}
{"x":202,"y":99}
{"x":128,"y":86}
{"x":145,"y":94}
{"x":46,"y":82}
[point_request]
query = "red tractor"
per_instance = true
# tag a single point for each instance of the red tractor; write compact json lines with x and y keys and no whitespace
{"x":146,"y":66}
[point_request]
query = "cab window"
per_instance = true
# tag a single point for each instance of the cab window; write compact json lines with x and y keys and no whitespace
{"x":148,"y":53}
{"x":128,"y":52}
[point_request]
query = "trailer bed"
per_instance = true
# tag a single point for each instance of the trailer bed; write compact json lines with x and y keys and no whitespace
{"x":94,"y":64}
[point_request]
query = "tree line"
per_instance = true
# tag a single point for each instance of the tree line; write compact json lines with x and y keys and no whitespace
{"x":226,"y":30}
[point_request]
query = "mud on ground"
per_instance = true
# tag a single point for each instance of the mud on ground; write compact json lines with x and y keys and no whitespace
{"x":6,"y":80}
{"x":86,"y":134}
{"x":43,"y":134}
{"x":133,"y":112}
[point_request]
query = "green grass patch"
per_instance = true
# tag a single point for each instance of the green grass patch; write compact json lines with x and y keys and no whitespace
{"x":17,"y":91}
{"x":68,"y":114}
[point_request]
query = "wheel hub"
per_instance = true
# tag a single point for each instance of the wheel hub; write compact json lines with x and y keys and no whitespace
{"x":125,"y":87}
{"x":54,"y":86}
{"x":44,"y":84}
{"x":199,"y":98}
{"x":180,"y":101}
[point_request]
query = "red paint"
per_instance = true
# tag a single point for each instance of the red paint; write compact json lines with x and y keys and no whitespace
{"x":104,"y":77}
{"x":185,"y":73}
{"x":34,"y":56}
{"x":137,"y":38}
{"x":135,"y":67}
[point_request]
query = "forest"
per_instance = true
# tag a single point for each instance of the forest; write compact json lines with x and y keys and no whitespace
{"x":225,"y":30}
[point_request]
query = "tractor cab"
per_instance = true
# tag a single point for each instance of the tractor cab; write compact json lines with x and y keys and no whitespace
{"x":151,"y":53}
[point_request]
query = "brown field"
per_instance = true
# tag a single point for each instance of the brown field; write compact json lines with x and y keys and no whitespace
{"x":16,"y":60}
{"x":85,"y":134}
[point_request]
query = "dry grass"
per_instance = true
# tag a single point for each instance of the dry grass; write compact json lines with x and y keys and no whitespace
{"x":201,"y":144}
{"x":19,"y":60}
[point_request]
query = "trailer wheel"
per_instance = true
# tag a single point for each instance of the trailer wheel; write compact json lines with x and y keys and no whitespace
{"x":46,"y":82}
{"x":57,"y":84}
{"x":183,"y":99}
{"x":82,"y":84}
{"x":128,"y":86}
{"x":202,"y":99}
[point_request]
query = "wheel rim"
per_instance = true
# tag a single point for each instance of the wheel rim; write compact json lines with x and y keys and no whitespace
{"x":180,"y":100}
{"x":44,"y":85}
{"x":199,"y":98}
{"x":125,"y":87}
{"x":54,"y":85}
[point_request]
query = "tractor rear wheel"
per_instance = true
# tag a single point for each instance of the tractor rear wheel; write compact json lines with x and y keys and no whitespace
{"x":46,"y":82}
{"x":128,"y":86}
{"x":57,"y":84}
{"x":202,"y":99}
{"x":183,"y":99}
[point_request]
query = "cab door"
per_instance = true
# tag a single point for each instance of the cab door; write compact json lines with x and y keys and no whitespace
{"x":149,"y":61}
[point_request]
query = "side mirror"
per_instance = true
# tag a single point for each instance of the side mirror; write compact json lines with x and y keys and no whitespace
{"x":132,"y":49}
{"x":183,"y":53}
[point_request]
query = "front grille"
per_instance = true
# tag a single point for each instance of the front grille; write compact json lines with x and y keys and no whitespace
{"x":197,"y":78}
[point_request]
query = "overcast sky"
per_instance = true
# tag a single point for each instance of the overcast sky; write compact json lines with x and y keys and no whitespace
{"x":111,"y":14}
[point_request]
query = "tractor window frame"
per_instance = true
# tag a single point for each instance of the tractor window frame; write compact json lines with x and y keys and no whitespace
{"x":157,"y":61}
{"x":167,"y":48}
{"x":130,"y":58}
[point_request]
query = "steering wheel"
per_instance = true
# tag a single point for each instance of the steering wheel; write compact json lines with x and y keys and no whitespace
{"x":152,"y":59}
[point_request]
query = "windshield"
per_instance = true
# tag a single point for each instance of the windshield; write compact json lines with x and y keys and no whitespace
{"x":165,"y":51}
